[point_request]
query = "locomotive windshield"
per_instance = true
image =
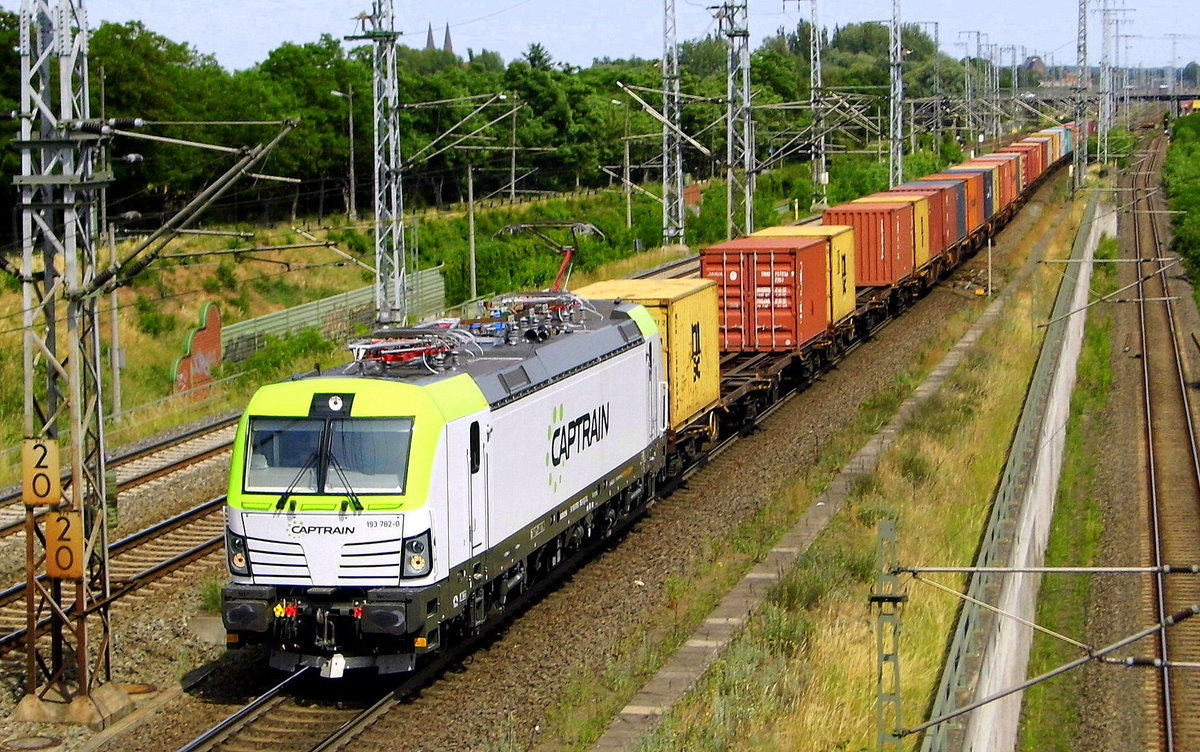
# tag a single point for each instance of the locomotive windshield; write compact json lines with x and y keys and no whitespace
{"x":306,"y":455}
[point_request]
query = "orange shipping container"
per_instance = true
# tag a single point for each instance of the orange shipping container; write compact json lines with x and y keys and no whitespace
{"x":773,"y":292}
{"x":975,"y":207}
{"x":883,"y":240}
{"x":922,"y":232}
{"x":839,"y":266}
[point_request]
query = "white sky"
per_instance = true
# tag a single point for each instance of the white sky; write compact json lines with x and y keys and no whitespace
{"x":240,"y":33}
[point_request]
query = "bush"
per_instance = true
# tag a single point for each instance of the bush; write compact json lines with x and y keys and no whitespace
{"x":150,"y":320}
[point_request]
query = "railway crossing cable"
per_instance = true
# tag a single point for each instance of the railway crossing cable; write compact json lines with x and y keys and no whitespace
{"x":1154,"y":629}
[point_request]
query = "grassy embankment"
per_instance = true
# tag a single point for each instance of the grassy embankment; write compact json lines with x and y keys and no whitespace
{"x":1051,"y":718}
{"x":802,"y":674}
{"x":1181,"y":179}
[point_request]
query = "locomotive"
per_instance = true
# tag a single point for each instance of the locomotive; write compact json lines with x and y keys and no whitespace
{"x":378,"y":507}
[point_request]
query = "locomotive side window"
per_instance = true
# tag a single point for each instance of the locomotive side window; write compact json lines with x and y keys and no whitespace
{"x":475,"y":447}
{"x":283,"y":453}
{"x":368,"y":456}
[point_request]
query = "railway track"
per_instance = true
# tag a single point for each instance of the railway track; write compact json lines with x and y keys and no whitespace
{"x":1172,"y":474}
{"x":141,"y":465}
{"x":134,"y":562}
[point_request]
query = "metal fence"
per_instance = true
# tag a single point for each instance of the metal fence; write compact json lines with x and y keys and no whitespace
{"x":966,"y":655}
{"x":335,"y":317}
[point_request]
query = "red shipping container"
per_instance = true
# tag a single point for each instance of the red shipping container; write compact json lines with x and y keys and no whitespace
{"x":1007,"y":173}
{"x":941,"y":223}
{"x":975,"y":198}
{"x":1023,"y":178}
{"x":883,"y":240}
{"x":1036,"y":155}
{"x":773,"y":291}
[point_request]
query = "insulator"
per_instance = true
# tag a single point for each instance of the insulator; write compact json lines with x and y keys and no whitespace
{"x":126,"y":122}
{"x":93,"y":126}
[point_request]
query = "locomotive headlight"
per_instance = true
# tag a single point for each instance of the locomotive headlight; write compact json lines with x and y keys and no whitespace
{"x":235,"y":548}
{"x":416,"y":555}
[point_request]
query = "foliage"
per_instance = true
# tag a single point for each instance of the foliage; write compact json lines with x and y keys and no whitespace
{"x":1181,"y":179}
{"x":277,"y":355}
{"x":150,"y":320}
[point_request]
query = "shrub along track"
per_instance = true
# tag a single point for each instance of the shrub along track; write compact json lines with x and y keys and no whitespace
{"x":622,"y":602}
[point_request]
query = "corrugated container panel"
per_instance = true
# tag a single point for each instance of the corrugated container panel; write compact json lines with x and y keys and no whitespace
{"x":955,"y":199}
{"x":687,"y":317}
{"x":1022,"y":160}
{"x":988,"y":197}
{"x":1006,"y":172}
{"x":973,"y":185}
{"x":927,"y":224}
{"x":941,"y":221}
{"x":773,"y":292}
{"x":883,"y":252}
{"x":1035,"y":163}
{"x":1047,"y":146}
{"x":839,"y":268}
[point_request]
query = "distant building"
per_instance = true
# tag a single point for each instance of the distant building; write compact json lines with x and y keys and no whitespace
{"x":429,"y":45}
{"x":448,"y":46}
{"x":1035,"y":64}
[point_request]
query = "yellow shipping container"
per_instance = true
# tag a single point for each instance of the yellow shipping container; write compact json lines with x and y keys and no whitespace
{"x":920,"y":206}
{"x":686,"y":313}
{"x":839,"y":261}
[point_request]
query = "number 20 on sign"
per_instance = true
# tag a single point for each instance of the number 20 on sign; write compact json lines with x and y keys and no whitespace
{"x":41,"y":485}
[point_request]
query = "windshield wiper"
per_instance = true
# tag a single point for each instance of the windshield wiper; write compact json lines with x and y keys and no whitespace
{"x":308,"y":465}
{"x":351,"y":497}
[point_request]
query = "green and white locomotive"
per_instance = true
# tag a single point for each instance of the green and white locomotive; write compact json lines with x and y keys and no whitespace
{"x":380,"y":509}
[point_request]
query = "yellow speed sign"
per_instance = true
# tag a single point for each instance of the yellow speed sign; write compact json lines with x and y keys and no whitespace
{"x":40,"y":475}
{"x":64,"y":545}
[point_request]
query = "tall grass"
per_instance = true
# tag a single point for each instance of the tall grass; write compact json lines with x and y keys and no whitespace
{"x":936,"y":481}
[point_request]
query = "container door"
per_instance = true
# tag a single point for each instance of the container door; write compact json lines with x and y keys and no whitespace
{"x":477,"y":466}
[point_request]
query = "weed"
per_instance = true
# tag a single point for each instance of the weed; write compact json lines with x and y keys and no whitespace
{"x":915,"y":467}
{"x":150,"y":320}
{"x":210,"y":596}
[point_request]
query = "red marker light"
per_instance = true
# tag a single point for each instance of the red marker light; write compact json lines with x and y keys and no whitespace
{"x":357,"y":612}
{"x":290,"y":609}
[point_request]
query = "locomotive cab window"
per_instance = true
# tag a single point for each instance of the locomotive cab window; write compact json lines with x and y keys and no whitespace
{"x":306,"y":455}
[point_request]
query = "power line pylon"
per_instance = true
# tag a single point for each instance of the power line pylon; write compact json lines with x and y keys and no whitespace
{"x":390,"y":258}
{"x":734,"y":18}
{"x":672,"y":157}
{"x":816,"y":80}
{"x":1079,"y":158}
{"x":60,"y":186}
{"x":896,"y":101}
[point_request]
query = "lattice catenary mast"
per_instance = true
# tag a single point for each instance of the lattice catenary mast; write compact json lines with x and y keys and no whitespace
{"x":816,"y":80}
{"x":896,"y":101}
{"x":672,"y":156}
{"x":60,"y":186}
{"x":734,"y":18}
{"x":1079,"y":157}
{"x":390,"y":259}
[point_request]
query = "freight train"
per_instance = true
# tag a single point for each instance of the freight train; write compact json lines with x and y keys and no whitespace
{"x":380,"y":510}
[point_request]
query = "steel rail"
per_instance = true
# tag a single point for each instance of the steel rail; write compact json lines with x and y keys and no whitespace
{"x":128,"y":544}
{"x":1149,"y":229}
{"x":222,"y":730}
{"x":13,"y":497}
